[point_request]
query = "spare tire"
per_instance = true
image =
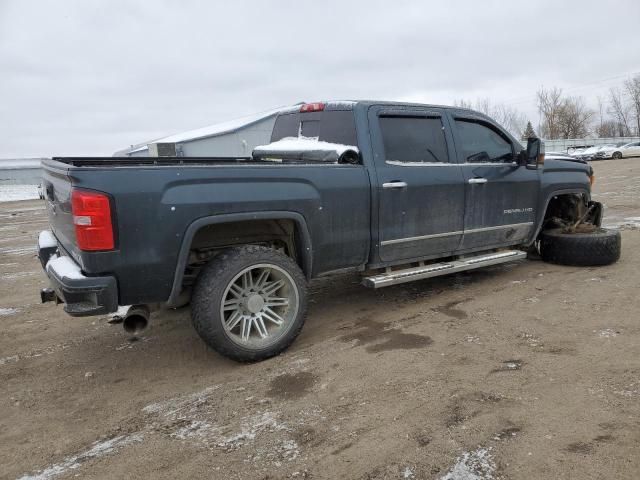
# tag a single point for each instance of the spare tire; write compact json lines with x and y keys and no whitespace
{"x":601,"y":247}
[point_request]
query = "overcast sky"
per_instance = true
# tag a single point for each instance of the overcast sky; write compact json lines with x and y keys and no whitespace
{"x":91,"y":77}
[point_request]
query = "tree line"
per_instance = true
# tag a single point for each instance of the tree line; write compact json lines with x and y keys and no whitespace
{"x":562,"y":116}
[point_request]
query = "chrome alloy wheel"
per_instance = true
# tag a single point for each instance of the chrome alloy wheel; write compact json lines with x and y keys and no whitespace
{"x":259,"y":306}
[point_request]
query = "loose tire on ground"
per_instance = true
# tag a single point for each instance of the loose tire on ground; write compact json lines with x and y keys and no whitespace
{"x":601,"y":247}
{"x":250,"y":288}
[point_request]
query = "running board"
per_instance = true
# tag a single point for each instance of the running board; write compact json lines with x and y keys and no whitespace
{"x":435,"y":269}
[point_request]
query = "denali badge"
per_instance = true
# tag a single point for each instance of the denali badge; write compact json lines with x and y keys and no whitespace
{"x":519,"y":210}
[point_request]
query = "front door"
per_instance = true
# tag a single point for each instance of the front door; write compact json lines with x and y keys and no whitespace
{"x":420,"y":184}
{"x":501,"y":197}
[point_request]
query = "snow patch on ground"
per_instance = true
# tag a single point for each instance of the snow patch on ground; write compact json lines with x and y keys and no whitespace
{"x":608,"y":333}
{"x":408,"y":473}
{"x":5,"y":312}
{"x":36,"y":353}
{"x":72,"y":462}
{"x":13,"y":193}
{"x":180,"y":407}
{"x":18,"y":250}
{"x":476,"y":465}
{"x":250,"y":428}
{"x":13,"y":276}
{"x":629,"y":223}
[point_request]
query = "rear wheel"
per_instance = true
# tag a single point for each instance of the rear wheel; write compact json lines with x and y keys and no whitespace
{"x":249,"y":303}
{"x":616,"y":155}
{"x":598,"y":247}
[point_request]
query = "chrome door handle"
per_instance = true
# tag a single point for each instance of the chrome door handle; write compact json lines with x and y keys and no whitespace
{"x":478,"y":180}
{"x":394,"y":185}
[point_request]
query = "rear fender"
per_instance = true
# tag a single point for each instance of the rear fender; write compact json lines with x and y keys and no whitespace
{"x":306,"y":252}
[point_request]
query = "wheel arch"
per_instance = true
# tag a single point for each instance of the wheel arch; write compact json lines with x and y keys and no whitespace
{"x":548,"y":198}
{"x":305,"y":250}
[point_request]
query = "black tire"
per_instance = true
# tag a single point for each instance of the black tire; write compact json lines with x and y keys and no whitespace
{"x":616,"y":155}
{"x":601,"y":247}
{"x":209,"y":293}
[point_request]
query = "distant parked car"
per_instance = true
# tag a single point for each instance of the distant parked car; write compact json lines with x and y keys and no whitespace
{"x":589,"y":153}
{"x":628,"y":150}
{"x":576,"y":151}
{"x":606,"y":151}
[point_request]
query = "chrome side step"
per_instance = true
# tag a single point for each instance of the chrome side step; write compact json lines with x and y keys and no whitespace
{"x":435,"y":269}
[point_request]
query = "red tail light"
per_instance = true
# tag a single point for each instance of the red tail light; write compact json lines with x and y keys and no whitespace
{"x":312,"y":107}
{"x":92,"y":220}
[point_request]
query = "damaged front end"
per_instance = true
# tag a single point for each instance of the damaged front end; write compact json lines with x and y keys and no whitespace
{"x":573,"y":213}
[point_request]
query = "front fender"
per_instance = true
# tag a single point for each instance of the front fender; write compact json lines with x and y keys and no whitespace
{"x":542,"y":211}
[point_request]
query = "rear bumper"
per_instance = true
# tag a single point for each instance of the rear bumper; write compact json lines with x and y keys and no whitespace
{"x":82,"y":295}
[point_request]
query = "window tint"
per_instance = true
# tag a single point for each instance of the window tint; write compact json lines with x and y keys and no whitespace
{"x":310,"y":128}
{"x":413,"y":139}
{"x":334,"y":126}
{"x":480,"y":143}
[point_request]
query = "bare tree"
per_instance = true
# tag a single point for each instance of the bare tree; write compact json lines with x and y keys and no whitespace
{"x":510,"y":118}
{"x":575,"y":118}
{"x":463,"y":104}
{"x":600,"y":115}
{"x":563,"y":117}
{"x":632,"y":87}
{"x":608,"y":128}
{"x":619,"y":110}
{"x":550,"y":107}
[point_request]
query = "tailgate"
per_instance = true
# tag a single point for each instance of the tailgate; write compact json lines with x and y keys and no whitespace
{"x":56,"y":188}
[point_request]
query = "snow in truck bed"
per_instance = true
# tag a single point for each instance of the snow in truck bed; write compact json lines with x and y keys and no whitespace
{"x":303,"y":144}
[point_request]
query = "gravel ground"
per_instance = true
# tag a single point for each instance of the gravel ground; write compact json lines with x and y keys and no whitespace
{"x":522,"y":371}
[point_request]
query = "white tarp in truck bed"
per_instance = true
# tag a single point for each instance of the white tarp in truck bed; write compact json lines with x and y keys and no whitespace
{"x":305,"y":148}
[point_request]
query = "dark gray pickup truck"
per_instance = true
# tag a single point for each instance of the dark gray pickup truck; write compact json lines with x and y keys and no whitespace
{"x":397,"y":191}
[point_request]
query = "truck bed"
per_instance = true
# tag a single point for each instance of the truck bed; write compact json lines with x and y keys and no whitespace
{"x":156,"y":201}
{"x":166,"y":161}
{"x":145,"y":161}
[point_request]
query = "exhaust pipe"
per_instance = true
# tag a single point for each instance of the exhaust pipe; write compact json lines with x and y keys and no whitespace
{"x":136,"y":319}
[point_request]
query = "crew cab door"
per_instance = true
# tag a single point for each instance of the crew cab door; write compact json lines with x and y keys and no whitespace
{"x":420,"y":187}
{"x":500,"y":195}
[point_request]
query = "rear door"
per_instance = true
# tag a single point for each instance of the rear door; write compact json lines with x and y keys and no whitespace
{"x":500,"y":196}
{"x":420,"y":186}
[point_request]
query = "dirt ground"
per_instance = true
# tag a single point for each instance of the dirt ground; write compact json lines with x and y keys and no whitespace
{"x":524,"y":371}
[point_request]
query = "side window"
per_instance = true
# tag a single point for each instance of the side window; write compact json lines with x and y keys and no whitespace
{"x":480,"y":143}
{"x":413,"y":139}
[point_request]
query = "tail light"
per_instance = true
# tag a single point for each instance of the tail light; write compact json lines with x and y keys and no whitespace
{"x":92,"y":220}
{"x":312,"y":107}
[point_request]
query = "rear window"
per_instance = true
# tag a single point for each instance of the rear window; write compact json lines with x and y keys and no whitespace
{"x":334,"y":126}
{"x":413,"y":139}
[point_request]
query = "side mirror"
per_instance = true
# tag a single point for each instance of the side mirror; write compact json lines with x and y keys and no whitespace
{"x":535,"y":153}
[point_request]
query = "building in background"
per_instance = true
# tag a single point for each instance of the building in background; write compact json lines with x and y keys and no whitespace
{"x":235,"y":138}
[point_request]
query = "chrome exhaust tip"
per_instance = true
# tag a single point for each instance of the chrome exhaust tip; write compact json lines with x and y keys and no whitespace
{"x":136,"y":319}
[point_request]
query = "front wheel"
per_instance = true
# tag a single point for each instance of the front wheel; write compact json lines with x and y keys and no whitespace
{"x":599,"y":247}
{"x":249,"y":303}
{"x":616,"y":155}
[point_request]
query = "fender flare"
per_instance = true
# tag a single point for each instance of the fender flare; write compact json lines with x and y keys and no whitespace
{"x":301,"y":224}
{"x":555,"y":193}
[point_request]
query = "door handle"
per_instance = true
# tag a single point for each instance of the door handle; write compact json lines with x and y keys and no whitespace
{"x":394,"y":185}
{"x":478,"y":180}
